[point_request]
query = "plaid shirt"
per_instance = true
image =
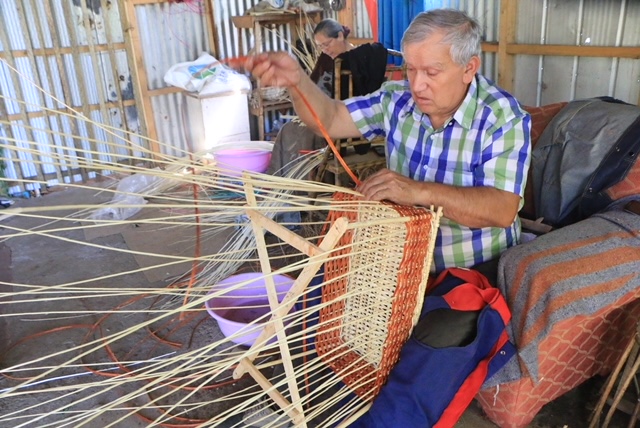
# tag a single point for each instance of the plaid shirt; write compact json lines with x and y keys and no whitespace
{"x":485,"y":143}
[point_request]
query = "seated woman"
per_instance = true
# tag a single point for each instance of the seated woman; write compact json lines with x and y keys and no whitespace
{"x":367,"y":64}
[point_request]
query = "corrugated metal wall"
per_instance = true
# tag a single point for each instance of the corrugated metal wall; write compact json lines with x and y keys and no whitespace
{"x":57,"y":56}
{"x":543,"y":80}
{"x":166,"y":33}
{"x":81,"y":53}
{"x":362,"y":25}
{"x":487,"y":12}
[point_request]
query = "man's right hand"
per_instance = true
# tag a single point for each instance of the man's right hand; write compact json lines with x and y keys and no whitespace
{"x":313,"y":106}
{"x":277,"y":69}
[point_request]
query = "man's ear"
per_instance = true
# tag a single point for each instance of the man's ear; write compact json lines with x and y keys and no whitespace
{"x":471,"y":69}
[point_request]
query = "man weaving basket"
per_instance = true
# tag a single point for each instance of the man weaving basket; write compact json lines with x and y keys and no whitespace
{"x":454,"y":140}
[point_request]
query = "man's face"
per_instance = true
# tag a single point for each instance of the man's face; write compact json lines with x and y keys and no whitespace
{"x":438,"y":85}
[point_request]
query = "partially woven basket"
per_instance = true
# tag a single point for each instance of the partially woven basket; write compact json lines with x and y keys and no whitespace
{"x":374,"y":290}
{"x":273,"y":93}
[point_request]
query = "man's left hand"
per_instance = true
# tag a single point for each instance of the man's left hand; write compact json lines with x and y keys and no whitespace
{"x":470,"y":206}
{"x":391,"y":186}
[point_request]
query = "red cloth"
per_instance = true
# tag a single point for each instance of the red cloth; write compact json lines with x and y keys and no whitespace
{"x":372,"y":11}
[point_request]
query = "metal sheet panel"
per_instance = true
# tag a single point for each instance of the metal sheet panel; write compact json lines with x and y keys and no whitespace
{"x":543,"y":80}
{"x":10,"y":12}
{"x":234,"y":42}
{"x":487,"y":13}
{"x":362,"y":22}
{"x":170,"y":33}
{"x":65,"y":55}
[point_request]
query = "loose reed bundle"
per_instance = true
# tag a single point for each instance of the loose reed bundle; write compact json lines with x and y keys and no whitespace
{"x":112,"y":354}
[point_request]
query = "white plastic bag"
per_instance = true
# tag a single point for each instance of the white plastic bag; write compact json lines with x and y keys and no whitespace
{"x":208,"y":73}
{"x":128,"y":199}
{"x":192,"y":75}
{"x":226,"y":80}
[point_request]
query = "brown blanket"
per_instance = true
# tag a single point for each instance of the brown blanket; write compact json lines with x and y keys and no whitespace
{"x":571,"y":272}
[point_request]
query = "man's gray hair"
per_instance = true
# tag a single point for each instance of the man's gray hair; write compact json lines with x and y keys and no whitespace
{"x":461,"y":31}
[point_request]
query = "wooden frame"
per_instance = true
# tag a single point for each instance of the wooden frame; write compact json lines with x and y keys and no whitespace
{"x":318,"y":255}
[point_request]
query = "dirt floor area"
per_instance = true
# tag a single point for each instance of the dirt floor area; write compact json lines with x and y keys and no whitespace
{"x":45,"y":320}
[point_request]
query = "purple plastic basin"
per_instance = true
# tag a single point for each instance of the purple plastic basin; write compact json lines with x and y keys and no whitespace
{"x":238,"y":160}
{"x":237,"y":308}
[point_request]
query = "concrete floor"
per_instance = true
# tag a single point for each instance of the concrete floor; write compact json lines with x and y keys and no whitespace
{"x":40,"y":260}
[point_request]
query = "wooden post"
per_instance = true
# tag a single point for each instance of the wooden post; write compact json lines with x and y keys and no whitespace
{"x":210,"y":10}
{"x":347,"y":15}
{"x":318,"y":255}
{"x":139,"y":75}
{"x":506,"y":61}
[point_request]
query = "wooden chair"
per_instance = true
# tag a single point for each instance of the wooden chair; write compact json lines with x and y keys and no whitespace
{"x":361,"y":164}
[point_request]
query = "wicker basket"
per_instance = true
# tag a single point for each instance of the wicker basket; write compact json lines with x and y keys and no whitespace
{"x":374,"y":290}
{"x":270,"y":94}
{"x":273,"y":93}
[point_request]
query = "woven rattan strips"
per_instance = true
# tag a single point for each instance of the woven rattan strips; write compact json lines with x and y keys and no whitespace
{"x":377,"y":259}
{"x":373,"y":292}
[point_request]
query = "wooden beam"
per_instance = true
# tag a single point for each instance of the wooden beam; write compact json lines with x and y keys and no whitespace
{"x":64,"y":110}
{"x":210,"y":10}
{"x":138,"y":71}
{"x":347,"y":16}
{"x":506,"y":61}
{"x":632,"y":52}
{"x":21,"y":53}
{"x":490,"y":47}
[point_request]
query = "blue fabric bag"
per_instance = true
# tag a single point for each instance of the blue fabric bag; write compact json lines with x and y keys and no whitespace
{"x":459,"y":341}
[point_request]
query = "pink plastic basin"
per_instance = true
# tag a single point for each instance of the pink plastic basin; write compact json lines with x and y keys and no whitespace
{"x":238,"y":160}
{"x":237,"y":308}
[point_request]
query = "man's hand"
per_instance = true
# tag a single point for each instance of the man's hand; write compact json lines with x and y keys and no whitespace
{"x":469,"y":206}
{"x":391,"y":186}
{"x":282,"y":70}
{"x":274,"y":69}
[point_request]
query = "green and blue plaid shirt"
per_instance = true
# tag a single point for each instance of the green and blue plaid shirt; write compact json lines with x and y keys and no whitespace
{"x":485,"y":143}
